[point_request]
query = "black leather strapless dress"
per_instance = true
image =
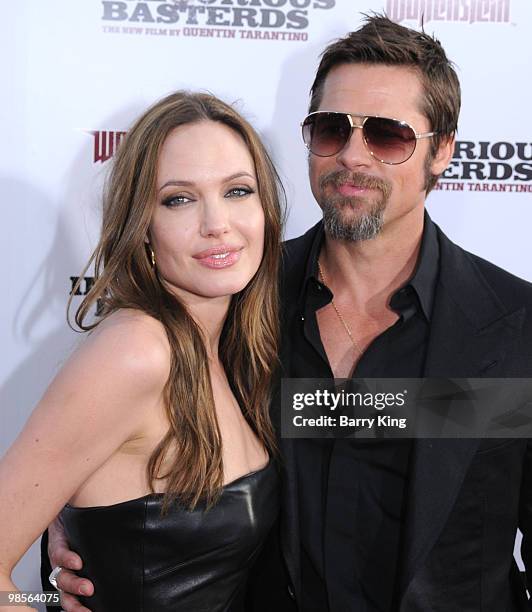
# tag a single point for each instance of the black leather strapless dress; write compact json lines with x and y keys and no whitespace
{"x":185,"y":561}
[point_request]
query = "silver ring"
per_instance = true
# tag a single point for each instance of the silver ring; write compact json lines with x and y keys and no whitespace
{"x":53,"y":576}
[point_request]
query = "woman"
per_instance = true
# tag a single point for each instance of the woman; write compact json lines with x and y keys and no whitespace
{"x":156,"y":430}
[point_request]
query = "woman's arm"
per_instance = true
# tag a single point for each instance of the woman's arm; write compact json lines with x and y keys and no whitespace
{"x":102,"y":397}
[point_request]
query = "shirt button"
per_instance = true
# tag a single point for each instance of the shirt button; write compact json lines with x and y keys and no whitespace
{"x":302,"y":318}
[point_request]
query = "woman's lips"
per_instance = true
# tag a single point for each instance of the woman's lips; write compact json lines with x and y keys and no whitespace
{"x":219,"y":257}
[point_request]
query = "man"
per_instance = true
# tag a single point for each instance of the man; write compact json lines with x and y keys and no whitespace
{"x":377,"y":290}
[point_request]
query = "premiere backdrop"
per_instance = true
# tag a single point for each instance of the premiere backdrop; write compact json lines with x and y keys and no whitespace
{"x":76,"y":74}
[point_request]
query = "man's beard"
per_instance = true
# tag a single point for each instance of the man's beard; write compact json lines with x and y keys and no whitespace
{"x":364,"y":226}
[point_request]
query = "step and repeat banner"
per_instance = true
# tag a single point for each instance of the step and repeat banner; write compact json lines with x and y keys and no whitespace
{"x":76,"y":74}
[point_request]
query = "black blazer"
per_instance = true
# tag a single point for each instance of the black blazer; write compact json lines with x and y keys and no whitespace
{"x":465,"y":497}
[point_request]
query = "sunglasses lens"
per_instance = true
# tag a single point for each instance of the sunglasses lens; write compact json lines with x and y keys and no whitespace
{"x":391,"y":141}
{"x":326,"y":134}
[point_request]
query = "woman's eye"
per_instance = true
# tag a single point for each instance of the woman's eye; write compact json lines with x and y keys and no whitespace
{"x":175,"y":201}
{"x":239,"y":192}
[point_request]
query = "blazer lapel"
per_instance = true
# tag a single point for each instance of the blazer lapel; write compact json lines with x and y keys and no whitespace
{"x":290,"y":517}
{"x":470,"y":333}
{"x":289,"y":505}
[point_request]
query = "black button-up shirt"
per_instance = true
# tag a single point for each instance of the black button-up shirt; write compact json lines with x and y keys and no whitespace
{"x":351,"y":492}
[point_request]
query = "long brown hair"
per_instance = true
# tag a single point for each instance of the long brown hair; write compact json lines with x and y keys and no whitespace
{"x":125,"y":278}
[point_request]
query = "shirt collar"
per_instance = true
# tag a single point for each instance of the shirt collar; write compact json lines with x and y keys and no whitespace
{"x":423,"y":280}
{"x":425,"y":275}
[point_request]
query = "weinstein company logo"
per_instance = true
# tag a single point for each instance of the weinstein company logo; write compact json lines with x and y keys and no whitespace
{"x":81,"y":286}
{"x":105,"y":144}
{"x":262,"y":19}
{"x":467,"y":11}
{"x":489,"y":166}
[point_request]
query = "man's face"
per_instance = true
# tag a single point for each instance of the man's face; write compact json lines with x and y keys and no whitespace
{"x":358,"y":194}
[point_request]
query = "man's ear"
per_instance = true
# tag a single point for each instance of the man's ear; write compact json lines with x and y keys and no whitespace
{"x":443,"y":155}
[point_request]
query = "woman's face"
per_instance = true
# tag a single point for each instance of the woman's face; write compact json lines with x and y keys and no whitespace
{"x":207,"y":229}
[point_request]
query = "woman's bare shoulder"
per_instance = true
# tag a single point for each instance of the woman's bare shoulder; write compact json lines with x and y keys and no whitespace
{"x":131,"y":339}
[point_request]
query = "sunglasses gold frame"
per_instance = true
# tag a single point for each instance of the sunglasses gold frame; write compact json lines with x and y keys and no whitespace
{"x":364,"y":119}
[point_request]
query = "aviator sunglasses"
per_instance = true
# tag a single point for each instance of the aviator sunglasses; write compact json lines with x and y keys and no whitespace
{"x":326,"y":133}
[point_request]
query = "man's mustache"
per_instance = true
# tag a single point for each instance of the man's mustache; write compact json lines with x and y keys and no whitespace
{"x":337,"y":178}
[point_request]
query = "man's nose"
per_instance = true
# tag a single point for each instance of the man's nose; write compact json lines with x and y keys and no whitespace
{"x":355,"y":153}
{"x":214,"y":218}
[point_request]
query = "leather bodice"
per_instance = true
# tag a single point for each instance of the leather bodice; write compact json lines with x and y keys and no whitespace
{"x":190,"y":561}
